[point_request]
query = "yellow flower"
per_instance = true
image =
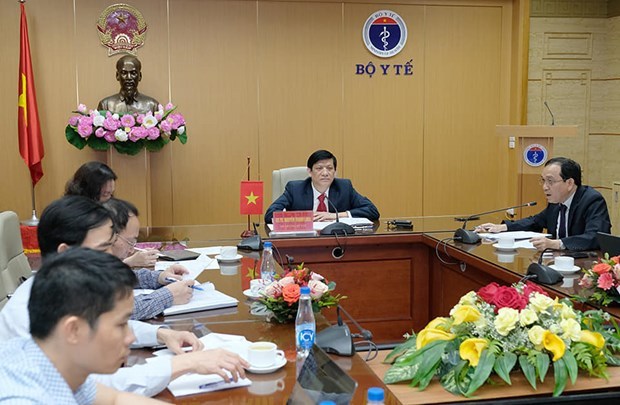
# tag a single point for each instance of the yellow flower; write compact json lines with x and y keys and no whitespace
{"x":571,"y":329}
{"x":540,"y":302}
{"x":554,"y":344}
{"x":471,"y":349}
{"x":506,"y":320}
{"x":594,"y":338}
{"x":536,"y":335}
{"x":566,"y":312}
{"x":427,"y":336}
{"x":469,"y":298}
{"x":438,"y":323}
{"x":527,"y":317}
{"x":465,"y":313}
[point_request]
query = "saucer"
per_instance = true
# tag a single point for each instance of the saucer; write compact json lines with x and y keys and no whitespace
{"x":232,"y":259}
{"x":248,"y":293}
{"x":505,"y":249}
{"x":575,"y":269}
{"x":280,"y":362}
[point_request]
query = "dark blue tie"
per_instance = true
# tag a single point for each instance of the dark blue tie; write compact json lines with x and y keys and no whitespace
{"x":562,"y":229}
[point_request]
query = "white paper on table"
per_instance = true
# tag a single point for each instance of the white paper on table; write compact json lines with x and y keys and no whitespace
{"x":517,"y":235}
{"x":204,"y":300}
{"x":190,"y":383}
{"x":210,"y":250}
{"x":195,"y":267}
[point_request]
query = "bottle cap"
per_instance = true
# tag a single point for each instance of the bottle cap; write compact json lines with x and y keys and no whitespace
{"x":327,"y":403}
{"x":304,"y":290}
{"x":376,"y":394}
{"x":267,"y":245}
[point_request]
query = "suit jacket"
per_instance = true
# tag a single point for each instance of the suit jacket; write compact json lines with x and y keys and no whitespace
{"x":588,"y":215}
{"x":298,"y":196}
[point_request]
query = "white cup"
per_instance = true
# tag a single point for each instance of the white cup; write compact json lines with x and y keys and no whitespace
{"x":263,"y":354}
{"x":505,"y":258}
{"x":564,"y":263}
{"x":268,"y":387}
{"x":228,"y":252}
{"x":229,"y":269}
{"x":256,"y":286}
{"x":506,"y":242}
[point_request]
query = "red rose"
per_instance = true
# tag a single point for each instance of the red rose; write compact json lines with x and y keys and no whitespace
{"x":509,"y":297}
{"x":487,"y":293}
{"x":532,"y":288}
{"x":291,"y":293}
{"x":601,"y":268}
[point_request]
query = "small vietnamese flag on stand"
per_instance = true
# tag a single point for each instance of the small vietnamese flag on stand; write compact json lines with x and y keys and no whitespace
{"x":28,"y":127}
{"x":251,"y":198}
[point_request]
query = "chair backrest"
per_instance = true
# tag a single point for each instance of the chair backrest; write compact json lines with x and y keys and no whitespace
{"x":14,"y":266}
{"x":279,"y":178}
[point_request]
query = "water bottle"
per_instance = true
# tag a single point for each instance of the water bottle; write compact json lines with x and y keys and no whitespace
{"x":305,"y":327}
{"x":375,"y":396}
{"x":267,"y":266}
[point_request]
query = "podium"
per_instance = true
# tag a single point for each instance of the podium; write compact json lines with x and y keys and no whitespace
{"x":535,"y":145}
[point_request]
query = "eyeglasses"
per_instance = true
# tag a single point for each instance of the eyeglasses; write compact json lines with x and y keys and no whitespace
{"x":549,"y":182}
{"x":130,"y":243}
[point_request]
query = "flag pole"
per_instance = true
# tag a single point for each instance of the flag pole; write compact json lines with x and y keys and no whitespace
{"x":248,"y":232}
{"x":34,"y":221}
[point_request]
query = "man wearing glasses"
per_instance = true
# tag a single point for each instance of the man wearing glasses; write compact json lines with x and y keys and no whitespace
{"x":574,"y":215}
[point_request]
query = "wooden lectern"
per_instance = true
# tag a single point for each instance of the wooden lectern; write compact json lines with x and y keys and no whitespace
{"x":528,"y":176}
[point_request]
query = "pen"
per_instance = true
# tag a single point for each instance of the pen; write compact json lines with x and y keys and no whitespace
{"x":210,"y":385}
{"x":195,"y":287}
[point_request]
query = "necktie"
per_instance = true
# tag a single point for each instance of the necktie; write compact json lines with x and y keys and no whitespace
{"x":562,"y":228}
{"x":321,"y":207}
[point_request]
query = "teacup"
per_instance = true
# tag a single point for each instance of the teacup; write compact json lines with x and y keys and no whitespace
{"x":266,"y":387}
{"x":228,"y":252}
{"x":256,"y":286}
{"x":564,"y":263}
{"x":263,"y":354}
{"x":505,"y":242}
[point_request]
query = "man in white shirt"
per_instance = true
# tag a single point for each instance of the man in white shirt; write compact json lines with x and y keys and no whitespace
{"x":79,"y":221}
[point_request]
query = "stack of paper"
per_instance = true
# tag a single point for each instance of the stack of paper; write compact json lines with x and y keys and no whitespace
{"x":209,"y":298}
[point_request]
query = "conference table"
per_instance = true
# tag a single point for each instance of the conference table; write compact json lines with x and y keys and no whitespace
{"x":396,"y":280}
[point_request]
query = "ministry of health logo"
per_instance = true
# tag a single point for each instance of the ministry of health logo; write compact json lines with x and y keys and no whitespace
{"x":535,"y":155}
{"x":385,"y":33}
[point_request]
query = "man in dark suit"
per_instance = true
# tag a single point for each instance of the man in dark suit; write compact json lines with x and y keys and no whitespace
{"x":574,"y":215}
{"x":321,"y":192}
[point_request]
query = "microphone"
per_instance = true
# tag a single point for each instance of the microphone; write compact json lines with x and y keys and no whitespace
{"x":543,"y":274}
{"x":549,"y":109}
{"x":471,"y":237}
{"x":338,"y":339}
{"x":337,"y":228}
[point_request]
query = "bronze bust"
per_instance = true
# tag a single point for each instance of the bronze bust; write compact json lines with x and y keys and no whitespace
{"x":128,"y":100}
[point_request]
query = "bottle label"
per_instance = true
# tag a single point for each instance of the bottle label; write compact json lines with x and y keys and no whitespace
{"x":305,"y":337}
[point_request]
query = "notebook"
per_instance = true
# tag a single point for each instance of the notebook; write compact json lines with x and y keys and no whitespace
{"x":321,"y":379}
{"x":176,"y":255}
{"x":210,"y":298}
{"x":608,"y":243}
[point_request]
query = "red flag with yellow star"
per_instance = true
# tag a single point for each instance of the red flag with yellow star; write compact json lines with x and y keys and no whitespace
{"x":251,"y":201}
{"x":28,"y":127}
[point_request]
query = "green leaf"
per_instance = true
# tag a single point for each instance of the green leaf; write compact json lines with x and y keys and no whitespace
{"x":74,"y":138}
{"x":427,"y":377}
{"x":430,"y":360}
{"x":504,"y":365}
{"x":483,"y":371}
{"x":542,"y":365}
{"x":400,"y":350}
{"x":528,"y":370}
{"x":98,"y":143}
{"x":457,"y":379}
{"x":571,"y":365}
{"x":400,"y":373}
{"x":129,"y":147}
{"x":155,"y":145}
{"x":182,"y":137}
{"x":560,"y":377}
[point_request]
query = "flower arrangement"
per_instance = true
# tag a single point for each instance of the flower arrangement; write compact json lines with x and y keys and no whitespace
{"x":128,"y":133}
{"x":601,"y":283}
{"x":280,"y":298}
{"x":498,"y":327}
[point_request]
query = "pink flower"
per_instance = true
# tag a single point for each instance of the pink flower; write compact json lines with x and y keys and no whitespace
{"x":111,"y":124}
{"x":166,"y":126}
{"x":100,"y":132}
{"x":316,"y":276}
{"x":137,"y":133}
{"x":81,"y":108}
{"x":605,"y":281}
{"x":140,"y":118}
{"x":177,"y":120}
{"x":586,"y":282}
{"x":128,"y":120}
{"x":109,"y":136}
{"x":169,"y":106}
{"x":273,"y":290}
{"x":616,"y":271}
{"x":84,"y":130}
{"x":317,"y":289}
{"x":73,"y":121}
{"x":284,"y":281}
{"x":152,"y":133}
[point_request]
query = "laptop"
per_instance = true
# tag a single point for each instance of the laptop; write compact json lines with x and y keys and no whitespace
{"x":608,"y":243}
{"x":321,"y":379}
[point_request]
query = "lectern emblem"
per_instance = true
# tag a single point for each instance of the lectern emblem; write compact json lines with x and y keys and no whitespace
{"x":535,"y":155}
{"x":385,"y":33}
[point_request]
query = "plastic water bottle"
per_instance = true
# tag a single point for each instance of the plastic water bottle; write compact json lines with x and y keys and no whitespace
{"x":305,"y":327}
{"x":375,"y":396}
{"x":267,"y":266}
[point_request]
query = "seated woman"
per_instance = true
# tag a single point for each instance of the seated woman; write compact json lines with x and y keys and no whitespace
{"x":94,"y":180}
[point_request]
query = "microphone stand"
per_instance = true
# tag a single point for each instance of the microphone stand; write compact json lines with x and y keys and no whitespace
{"x":337,"y":228}
{"x":471,"y":237}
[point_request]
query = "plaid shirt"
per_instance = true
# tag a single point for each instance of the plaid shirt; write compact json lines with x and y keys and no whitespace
{"x":28,"y":376}
{"x":147,"y":306}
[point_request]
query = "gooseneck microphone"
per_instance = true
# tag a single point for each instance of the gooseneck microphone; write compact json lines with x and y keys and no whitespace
{"x":470,"y":237}
{"x":337,"y":228}
{"x":549,"y":109}
{"x":543,"y":274}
